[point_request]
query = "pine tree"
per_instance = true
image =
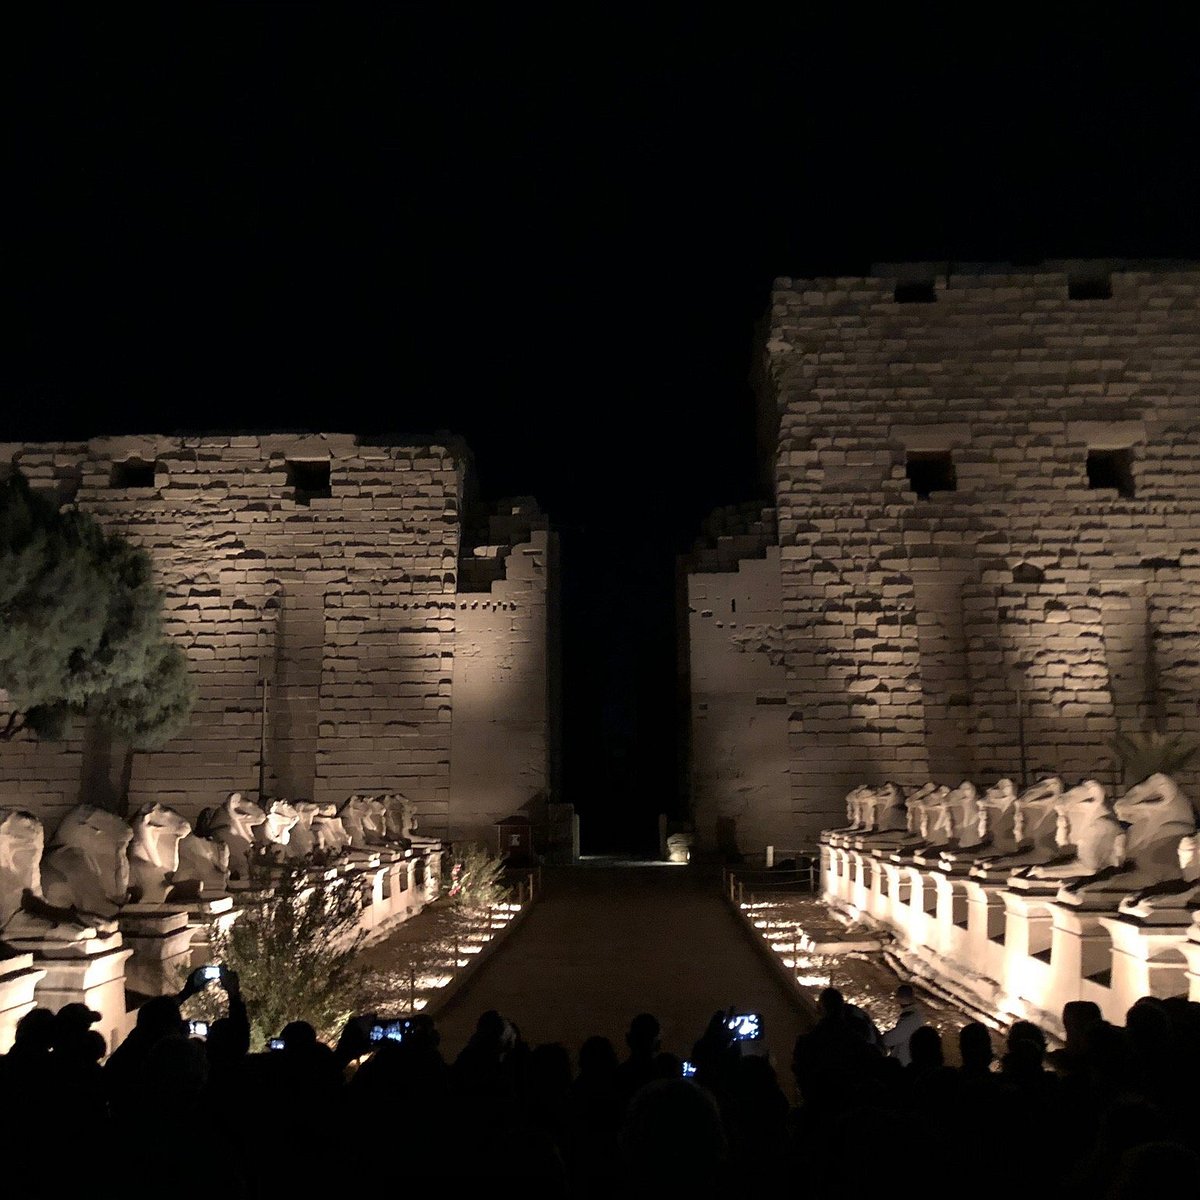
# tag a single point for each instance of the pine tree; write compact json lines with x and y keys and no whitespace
{"x":81,"y":627}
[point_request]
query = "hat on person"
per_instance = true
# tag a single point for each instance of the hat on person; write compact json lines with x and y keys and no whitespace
{"x":76,"y":1016}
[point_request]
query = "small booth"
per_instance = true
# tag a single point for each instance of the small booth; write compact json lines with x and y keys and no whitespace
{"x":514,"y":840}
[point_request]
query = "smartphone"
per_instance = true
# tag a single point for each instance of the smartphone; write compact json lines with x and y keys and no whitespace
{"x":275,"y":1044}
{"x":198,"y":1029}
{"x":689,"y":1069}
{"x":210,"y":973}
{"x":745,"y":1027}
{"x":392,"y":1031}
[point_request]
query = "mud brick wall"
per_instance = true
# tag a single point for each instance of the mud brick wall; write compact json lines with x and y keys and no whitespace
{"x":912,"y":625}
{"x":343,"y":599}
{"x":505,"y":710}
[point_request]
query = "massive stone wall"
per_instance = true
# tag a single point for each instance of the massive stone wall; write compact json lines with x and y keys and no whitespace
{"x":1045,"y":599}
{"x":738,"y":706}
{"x":326,"y":566}
{"x":505,"y":727}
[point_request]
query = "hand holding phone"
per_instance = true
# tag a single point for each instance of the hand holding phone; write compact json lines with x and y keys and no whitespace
{"x":745,"y":1027}
{"x":392,"y":1031}
{"x":197,"y":1029}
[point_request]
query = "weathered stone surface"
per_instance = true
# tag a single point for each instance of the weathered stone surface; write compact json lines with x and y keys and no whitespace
{"x":910,"y":626}
{"x":328,"y":567}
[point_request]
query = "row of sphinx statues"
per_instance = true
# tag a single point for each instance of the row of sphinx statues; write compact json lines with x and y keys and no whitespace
{"x":1138,"y":850}
{"x":97,"y":862}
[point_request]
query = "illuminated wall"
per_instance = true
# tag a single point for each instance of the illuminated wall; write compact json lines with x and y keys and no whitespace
{"x":505,"y":726}
{"x":326,"y":565}
{"x":740,"y":790}
{"x":1052,"y":419}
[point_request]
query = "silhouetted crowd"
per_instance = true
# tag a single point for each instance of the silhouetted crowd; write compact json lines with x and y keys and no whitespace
{"x":1114,"y":1113}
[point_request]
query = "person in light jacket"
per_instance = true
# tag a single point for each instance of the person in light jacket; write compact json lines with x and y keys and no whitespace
{"x":912,"y":1017}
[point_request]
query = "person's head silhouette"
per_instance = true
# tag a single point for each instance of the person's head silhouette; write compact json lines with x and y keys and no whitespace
{"x":643,"y":1034}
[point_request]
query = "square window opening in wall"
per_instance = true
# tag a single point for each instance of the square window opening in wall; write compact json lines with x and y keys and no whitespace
{"x":1111,"y":469}
{"x":920,"y":292}
{"x":1089,"y":287}
{"x":132,"y":473}
{"x":309,"y":479}
{"x":931,"y":471}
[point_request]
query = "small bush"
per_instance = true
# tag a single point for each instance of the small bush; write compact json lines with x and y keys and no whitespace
{"x":294,"y":947}
{"x":476,"y":880}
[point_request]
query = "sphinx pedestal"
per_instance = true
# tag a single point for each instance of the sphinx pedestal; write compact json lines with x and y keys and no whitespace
{"x":160,"y":937}
{"x":90,"y":971}
{"x":202,"y":916}
{"x":1190,"y":949}
{"x":1150,"y":960}
{"x":18,"y":979}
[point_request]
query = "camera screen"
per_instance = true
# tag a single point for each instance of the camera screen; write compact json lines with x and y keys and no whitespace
{"x":392,"y":1030}
{"x":198,"y":1029}
{"x":276,"y":1043}
{"x":689,"y":1069}
{"x":745,"y":1027}
{"x":211,"y":972}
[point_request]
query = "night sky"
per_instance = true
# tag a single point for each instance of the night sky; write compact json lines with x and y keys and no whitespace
{"x":549,"y":234}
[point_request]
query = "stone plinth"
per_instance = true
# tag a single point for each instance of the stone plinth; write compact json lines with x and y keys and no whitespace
{"x":91,"y":972}
{"x":1081,"y":955}
{"x":18,"y":979}
{"x":949,"y":932}
{"x":161,"y":940}
{"x":1191,"y":951}
{"x":985,"y":927}
{"x":1028,"y":936}
{"x":1149,"y":960}
{"x":202,"y":915}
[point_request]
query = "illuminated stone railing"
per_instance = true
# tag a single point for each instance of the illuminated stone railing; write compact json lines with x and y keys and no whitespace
{"x":1012,"y":944}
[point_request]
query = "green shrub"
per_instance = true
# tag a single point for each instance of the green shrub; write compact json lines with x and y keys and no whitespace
{"x":294,"y":947}
{"x":476,"y":880}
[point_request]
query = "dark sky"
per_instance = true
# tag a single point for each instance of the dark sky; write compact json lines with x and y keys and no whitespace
{"x":549,"y":234}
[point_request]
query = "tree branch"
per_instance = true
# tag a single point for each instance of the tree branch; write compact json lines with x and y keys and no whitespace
{"x":12,"y":727}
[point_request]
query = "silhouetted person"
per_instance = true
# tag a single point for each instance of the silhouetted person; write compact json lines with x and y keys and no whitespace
{"x":485,"y":1067}
{"x":925,"y":1050}
{"x":595,"y":1107}
{"x":75,"y":1059}
{"x":755,"y":1112}
{"x":26,"y":1076}
{"x":833,"y":1061}
{"x":911,"y":1018}
{"x":157,"y":1019}
{"x":673,"y":1144}
{"x":638,"y":1068}
{"x":716,"y":1055}
{"x":975,"y":1049}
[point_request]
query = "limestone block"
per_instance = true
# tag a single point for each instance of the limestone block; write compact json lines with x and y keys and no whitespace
{"x":92,"y":973}
{"x":18,"y":981}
